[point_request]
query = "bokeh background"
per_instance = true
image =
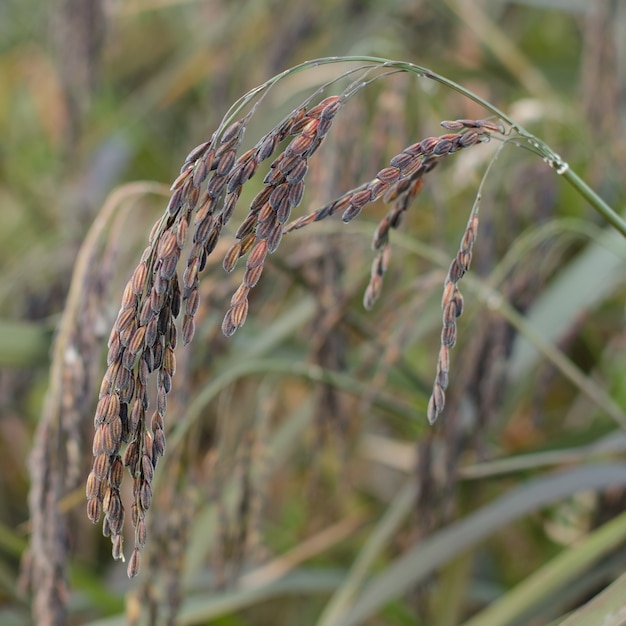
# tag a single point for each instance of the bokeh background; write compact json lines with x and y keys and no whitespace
{"x":306,"y":486}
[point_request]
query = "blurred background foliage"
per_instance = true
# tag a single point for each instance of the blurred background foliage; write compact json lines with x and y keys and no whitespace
{"x":305,"y":487}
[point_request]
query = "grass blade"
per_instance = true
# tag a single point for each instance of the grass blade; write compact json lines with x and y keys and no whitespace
{"x":417,"y":564}
{"x":556,"y":574}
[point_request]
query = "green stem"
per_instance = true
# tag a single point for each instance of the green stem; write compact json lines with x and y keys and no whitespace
{"x":595,"y":201}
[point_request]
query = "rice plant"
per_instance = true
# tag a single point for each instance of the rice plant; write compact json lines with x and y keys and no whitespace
{"x":171,"y":294}
{"x":204,"y":198}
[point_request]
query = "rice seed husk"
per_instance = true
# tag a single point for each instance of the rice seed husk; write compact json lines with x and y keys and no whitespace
{"x":252,"y":275}
{"x":257,"y":256}
{"x":134,"y":563}
{"x":94,"y":510}
{"x":231,"y":257}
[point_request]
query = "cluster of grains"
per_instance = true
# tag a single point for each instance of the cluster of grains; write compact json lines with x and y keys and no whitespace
{"x":452,"y":300}
{"x":452,"y":306}
{"x":398,"y":183}
{"x":141,"y":343}
{"x":261,"y":231}
{"x":144,"y":335}
{"x":402,"y":195}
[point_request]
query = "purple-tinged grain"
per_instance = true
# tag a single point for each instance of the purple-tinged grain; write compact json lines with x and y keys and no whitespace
{"x":112,"y":505}
{"x":157,"y":301}
{"x":129,"y":298}
{"x":289,"y":163}
{"x":165,"y":381}
{"x":161,"y":401}
{"x":297,"y":172}
{"x":123,"y":382}
{"x":233,"y":132}
{"x":137,"y":341}
{"x":273,"y":177}
{"x":296,"y":191}
{"x":151,"y":330}
{"x":101,"y":465}
{"x":449,"y":313}
{"x":428,"y":145}
{"x":111,"y":438}
{"x":322,"y":129}
{"x":135,"y":514}
{"x":283,"y":210}
{"x":267,"y":147}
{"x":147,"y":468}
{"x":131,"y":456}
{"x":448,"y":336}
{"x":146,"y":314}
{"x":117,"y":543}
{"x":192,"y":302}
{"x":94,"y":510}
{"x":199,"y":173}
{"x":252,"y":275}
{"x":228,"y":327}
{"x":98,"y":441}
{"x":190,"y":275}
{"x":239,"y":313}
{"x":156,"y":421}
{"x":188,"y":329}
{"x":169,"y":361}
{"x":216,"y":186}
{"x":267,"y":212}
{"x":92,"y":488}
{"x":160,"y":284}
{"x":265,"y":227}
{"x":134,"y":563}
{"x":158,"y":445}
{"x":141,"y":534}
{"x":278,"y":194}
{"x":261,"y":199}
{"x":229,"y":205}
{"x":274,"y":236}
{"x":240,"y":295}
{"x":116,"y":472}
{"x":145,"y":493}
{"x":246,"y":243}
{"x":257,"y":256}
{"x":231,"y":257}
{"x":183,"y":176}
{"x":167,"y":268}
{"x":211,"y":242}
{"x":226,"y":163}
{"x":138,"y":279}
{"x":181,"y":232}
{"x":198,"y":152}
{"x":173,"y":207}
